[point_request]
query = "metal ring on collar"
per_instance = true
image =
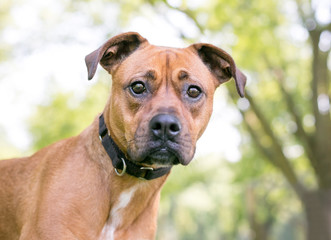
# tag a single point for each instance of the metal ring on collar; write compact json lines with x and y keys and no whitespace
{"x":148,"y":169}
{"x":123,"y":170}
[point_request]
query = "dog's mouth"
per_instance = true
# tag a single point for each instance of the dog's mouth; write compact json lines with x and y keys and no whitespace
{"x":163,"y":156}
{"x":159,"y":154}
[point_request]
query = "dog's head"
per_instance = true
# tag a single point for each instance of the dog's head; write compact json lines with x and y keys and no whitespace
{"x":161,"y":98}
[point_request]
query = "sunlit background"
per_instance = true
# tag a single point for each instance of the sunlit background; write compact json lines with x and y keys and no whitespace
{"x":253,"y":166}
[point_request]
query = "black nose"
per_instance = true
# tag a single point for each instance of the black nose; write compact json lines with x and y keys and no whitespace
{"x":165,"y":126}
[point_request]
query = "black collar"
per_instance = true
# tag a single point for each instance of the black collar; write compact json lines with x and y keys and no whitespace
{"x":121,"y":164}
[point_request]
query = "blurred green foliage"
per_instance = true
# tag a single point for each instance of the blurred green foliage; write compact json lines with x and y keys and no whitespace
{"x":65,"y":116}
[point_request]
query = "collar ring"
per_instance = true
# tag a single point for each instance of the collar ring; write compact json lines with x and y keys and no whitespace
{"x":123,"y":171}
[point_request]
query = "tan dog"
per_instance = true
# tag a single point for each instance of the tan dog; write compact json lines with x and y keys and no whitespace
{"x":83,"y":188}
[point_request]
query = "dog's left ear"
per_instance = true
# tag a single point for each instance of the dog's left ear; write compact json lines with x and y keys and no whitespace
{"x":113,"y":52}
{"x":221,"y":64}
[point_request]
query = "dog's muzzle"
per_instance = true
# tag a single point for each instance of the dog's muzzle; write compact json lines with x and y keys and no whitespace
{"x":162,"y":141}
{"x":162,"y":147}
{"x":164,"y":129}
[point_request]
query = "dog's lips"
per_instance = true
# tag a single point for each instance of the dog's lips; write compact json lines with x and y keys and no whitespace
{"x":162,"y":156}
{"x":161,"y":152}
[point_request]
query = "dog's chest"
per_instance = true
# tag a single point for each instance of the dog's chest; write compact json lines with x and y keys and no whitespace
{"x":115,"y":219}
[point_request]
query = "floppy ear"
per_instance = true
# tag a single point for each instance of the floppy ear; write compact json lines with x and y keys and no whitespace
{"x":221,"y":64}
{"x":114,"y":51}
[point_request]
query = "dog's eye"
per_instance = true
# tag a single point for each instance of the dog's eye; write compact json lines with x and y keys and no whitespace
{"x":138,"y":87}
{"x":193,"y":91}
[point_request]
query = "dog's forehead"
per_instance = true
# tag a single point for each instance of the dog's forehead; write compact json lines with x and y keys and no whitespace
{"x":165,"y":54}
{"x":160,"y":58}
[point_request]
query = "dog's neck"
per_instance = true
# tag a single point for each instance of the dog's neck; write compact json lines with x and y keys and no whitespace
{"x":114,"y":131}
{"x":129,"y":198}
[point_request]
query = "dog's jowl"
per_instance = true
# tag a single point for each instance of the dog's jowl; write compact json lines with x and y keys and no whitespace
{"x":105,"y":183}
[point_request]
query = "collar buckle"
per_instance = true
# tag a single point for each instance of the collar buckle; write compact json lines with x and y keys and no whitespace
{"x":146,"y":172}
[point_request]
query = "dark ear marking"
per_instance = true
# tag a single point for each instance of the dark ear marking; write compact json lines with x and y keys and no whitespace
{"x":221,"y":64}
{"x":113,"y":52}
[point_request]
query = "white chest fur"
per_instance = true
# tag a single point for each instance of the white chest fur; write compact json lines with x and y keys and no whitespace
{"x":115,"y":216}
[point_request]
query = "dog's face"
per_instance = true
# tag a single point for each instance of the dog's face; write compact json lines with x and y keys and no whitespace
{"x":164,"y":101}
{"x":161,"y":98}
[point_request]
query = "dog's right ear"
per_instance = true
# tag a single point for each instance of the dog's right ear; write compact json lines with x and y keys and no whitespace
{"x":114,"y":51}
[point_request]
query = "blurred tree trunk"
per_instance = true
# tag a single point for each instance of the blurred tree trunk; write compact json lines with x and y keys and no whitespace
{"x":321,"y":144}
{"x":317,"y":205}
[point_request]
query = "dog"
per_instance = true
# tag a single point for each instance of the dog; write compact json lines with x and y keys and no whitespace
{"x":105,"y":183}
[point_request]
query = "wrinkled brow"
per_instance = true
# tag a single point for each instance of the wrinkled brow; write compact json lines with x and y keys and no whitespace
{"x":150,"y":75}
